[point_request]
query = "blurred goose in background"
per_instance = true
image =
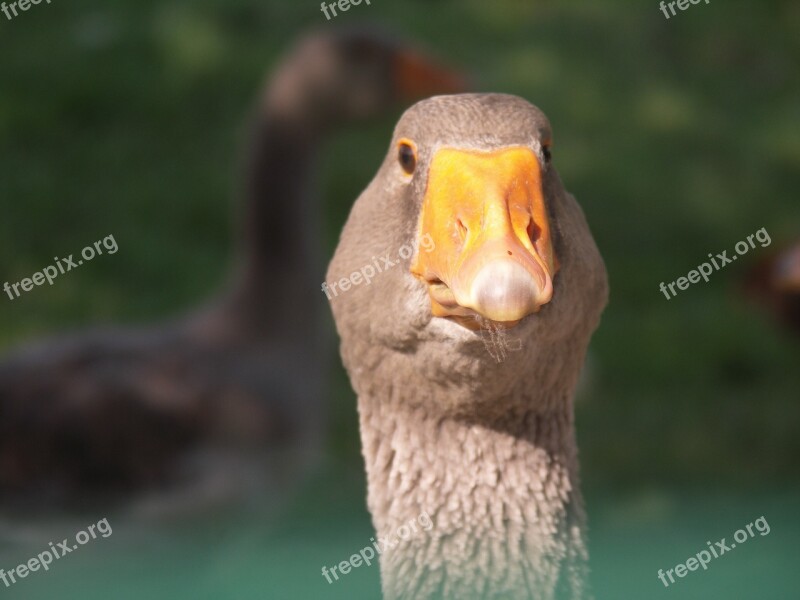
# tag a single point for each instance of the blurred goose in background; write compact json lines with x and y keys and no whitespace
{"x":115,"y":410}
{"x":774,"y":283}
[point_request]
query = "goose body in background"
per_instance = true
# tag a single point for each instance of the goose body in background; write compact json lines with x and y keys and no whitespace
{"x":116,"y":410}
{"x":484,"y":448}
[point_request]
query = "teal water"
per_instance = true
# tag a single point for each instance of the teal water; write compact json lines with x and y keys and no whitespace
{"x":249,"y":554}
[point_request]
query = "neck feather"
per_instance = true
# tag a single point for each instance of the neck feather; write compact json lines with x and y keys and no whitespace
{"x":502,"y":495}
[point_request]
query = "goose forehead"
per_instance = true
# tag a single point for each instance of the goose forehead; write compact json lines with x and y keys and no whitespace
{"x":475,"y":121}
{"x":488,"y":146}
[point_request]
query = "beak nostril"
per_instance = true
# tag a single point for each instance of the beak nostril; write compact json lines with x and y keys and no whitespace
{"x":462,"y":230}
{"x":534,"y":231}
{"x":509,"y":253}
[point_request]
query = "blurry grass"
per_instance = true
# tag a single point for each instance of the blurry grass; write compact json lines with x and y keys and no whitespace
{"x":678,"y":137}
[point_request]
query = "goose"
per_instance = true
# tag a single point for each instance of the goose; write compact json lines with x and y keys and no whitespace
{"x":482,"y":448}
{"x":110,"y":410}
{"x":774,"y":283}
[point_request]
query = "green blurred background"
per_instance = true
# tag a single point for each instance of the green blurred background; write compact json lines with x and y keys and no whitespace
{"x":679,"y":137}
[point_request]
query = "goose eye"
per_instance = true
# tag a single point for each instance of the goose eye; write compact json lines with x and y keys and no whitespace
{"x":546,"y":153}
{"x":407,"y":155}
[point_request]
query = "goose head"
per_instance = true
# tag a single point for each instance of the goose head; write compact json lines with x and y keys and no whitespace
{"x":469,"y":187}
{"x":352,"y":74}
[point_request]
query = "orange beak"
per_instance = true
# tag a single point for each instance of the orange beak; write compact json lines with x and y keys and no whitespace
{"x":492,"y":254}
{"x":417,"y":77}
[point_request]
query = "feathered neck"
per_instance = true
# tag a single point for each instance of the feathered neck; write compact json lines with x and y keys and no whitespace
{"x":501,"y":488}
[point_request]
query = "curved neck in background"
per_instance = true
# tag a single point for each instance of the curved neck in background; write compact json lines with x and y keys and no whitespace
{"x":277,"y":259}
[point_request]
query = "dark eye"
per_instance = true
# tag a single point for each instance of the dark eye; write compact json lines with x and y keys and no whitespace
{"x":546,"y":153}
{"x":407,"y":155}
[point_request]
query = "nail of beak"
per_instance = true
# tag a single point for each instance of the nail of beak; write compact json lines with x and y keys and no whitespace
{"x":503,"y":290}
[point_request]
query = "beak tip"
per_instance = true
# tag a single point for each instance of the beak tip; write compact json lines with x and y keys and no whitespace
{"x":504,"y":290}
